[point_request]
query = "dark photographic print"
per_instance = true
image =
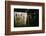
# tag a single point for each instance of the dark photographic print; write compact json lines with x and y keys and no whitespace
{"x":26,"y":17}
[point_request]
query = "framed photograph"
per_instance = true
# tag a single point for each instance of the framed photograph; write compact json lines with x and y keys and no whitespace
{"x":24,"y":17}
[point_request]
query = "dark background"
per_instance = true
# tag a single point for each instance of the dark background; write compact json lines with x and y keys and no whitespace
{"x":32,"y":19}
